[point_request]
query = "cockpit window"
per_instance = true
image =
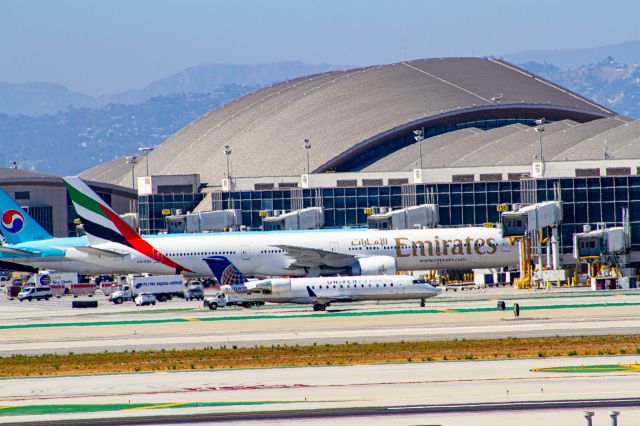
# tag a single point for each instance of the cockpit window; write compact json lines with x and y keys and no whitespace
{"x":419,"y":281}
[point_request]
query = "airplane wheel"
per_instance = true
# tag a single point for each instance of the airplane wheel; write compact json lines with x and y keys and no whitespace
{"x":319,"y":307}
{"x":423,"y":303}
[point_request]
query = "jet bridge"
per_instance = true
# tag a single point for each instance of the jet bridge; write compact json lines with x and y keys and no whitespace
{"x":422,"y":216}
{"x":605,"y":251}
{"x":309,"y":218}
{"x":533,"y":226}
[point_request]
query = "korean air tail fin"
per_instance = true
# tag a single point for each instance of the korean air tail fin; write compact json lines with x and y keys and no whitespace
{"x":102,"y":223}
{"x":16,"y":225}
{"x":226,"y":273}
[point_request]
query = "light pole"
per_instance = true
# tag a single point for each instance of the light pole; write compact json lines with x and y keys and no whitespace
{"x":419,"y":136}
{"x":146,"y":150}
{"x":540,"y":129}
{"x":307,"y":147}
{"x":132,"y":160}
{"x":227,"y":153}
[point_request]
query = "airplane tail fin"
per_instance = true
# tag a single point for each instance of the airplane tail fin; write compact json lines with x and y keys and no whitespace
{"x":102,"y":222}
{"x":16,"y":225}
{"x":226,"y":273}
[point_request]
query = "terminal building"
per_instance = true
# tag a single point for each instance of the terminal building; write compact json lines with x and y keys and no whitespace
{"x":44,"y":197}
{"x":463,"y":135}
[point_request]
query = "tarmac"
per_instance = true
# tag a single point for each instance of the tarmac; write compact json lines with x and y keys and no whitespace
{"x":53,"y":327}
{"x":491,"y":392}
{"x":513,"y":391}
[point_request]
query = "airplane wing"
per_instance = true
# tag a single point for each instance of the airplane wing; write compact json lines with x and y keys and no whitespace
{"x":325,"y":300}
{"x":304,"y":257}
{"x":18,"y":252}
{"x":94,"y":251}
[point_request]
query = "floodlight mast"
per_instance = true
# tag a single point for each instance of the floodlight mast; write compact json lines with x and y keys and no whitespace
{"x":540,"y":128}
{"x":146,"y":150}
{"x":419,"y":137}
{"x":132,"y":160}
{"x":307,"y":147}
{"x":227,"y":153}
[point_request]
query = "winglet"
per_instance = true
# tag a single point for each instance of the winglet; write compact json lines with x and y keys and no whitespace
{"x":16,"y":225}
{"x":226,"y":273}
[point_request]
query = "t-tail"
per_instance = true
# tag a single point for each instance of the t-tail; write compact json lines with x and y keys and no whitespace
{"x":101,"y":223}
{"x":226,"y":273}
{"x":16,"y":225}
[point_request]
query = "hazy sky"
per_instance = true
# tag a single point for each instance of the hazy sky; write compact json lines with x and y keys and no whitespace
{"x":105,"y":46}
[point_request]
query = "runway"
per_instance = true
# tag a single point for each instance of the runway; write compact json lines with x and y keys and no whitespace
{"x":448,"y":392}
{"x":52,"y":327}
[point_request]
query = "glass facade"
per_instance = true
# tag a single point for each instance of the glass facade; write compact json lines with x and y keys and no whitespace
{"x":585,"y":201}
{"x":43,"y":215}
{"x":590,"y":200}
{"x":154,"y":208}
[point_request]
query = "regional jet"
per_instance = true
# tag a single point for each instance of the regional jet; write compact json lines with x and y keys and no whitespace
{"x":319,"y":291}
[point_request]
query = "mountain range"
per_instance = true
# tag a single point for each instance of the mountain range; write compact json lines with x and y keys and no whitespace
{"x":76,"y":139}
{"x":35,"y":99}
{"x":627,"y":52}
{"x":52,"y":129}
{"x":608,"y":82}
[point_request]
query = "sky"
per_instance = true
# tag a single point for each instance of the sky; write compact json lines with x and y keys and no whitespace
{"x":99,"y":47}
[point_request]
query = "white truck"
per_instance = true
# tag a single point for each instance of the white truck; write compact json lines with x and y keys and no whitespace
{"x":220,"y":300}
{"x":163,"y":287}
{"x":62,"y":283}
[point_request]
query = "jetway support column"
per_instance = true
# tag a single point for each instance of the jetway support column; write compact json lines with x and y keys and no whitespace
{"x":555,"y":251}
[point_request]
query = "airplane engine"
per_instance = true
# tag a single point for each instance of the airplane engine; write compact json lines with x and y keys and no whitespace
{"x":281,"y":287}
{"x":374,"y":265}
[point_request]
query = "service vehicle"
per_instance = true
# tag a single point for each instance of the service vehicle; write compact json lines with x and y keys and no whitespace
{"x":12,"y":291}
{"x":62,"y":283}
{"x":32,"y":292}
{"x":163,"y":287}
{"x":145,"y":299}
{"x":220,"y":300}
{"x":194,"y":293}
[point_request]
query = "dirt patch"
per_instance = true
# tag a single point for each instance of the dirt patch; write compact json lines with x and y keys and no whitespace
{"x":325,"y":354}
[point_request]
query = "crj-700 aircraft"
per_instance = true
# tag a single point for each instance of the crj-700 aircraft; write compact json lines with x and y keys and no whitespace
{"x":319,"y":291}
{"x":292,"y":253}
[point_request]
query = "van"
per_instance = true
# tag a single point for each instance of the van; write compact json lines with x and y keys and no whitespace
{"x":30,"y":293}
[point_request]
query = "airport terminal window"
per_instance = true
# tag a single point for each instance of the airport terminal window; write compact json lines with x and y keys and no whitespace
{"x":22,"y":195}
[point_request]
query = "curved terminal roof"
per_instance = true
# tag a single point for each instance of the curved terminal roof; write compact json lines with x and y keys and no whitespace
{"x":357,"y":118}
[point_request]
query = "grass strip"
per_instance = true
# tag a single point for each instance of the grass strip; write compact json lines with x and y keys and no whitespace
{"x":314,"y":355}
{"x":92,"y":408}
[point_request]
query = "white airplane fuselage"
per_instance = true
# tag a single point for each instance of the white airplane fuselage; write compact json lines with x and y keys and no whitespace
{"x":340,"y":289}
{"x":257,"y":253}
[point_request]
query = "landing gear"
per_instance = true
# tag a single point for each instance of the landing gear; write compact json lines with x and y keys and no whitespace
{"x":320,"y":307}
{"x":423,"y":303}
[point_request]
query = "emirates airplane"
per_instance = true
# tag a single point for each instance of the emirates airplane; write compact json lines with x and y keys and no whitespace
{"x":290,"y":253}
